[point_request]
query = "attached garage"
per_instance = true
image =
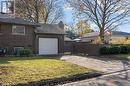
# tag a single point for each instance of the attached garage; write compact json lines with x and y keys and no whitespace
{"x":50,"y":39}
{"x":48,"y":46}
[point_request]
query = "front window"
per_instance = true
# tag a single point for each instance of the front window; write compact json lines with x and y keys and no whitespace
{"x":18,"y":30}
{"x":17,"y":49}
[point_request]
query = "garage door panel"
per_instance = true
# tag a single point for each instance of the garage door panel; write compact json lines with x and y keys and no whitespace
{"x":48,"y":46}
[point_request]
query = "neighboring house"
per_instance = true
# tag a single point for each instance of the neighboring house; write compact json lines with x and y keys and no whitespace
{"x":114,"y":38}
{"x":77,"y":40}
{"x":16,"y":33}
{"x":67,"y":39}
{"x":119,"y":37}
{"x":94,"y":36}
{"x":89,"y":37}
{"x":118,"y":40}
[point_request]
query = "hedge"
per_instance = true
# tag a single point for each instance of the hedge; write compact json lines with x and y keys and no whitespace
{"x":24,"y":53}
{"x":115,"y":49}
{"x":124,"y":50}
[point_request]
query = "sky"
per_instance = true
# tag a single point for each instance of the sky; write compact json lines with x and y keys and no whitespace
{"x":68,"y":19}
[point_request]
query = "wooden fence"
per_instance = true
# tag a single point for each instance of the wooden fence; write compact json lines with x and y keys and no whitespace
{"x":82,"y":47}
{"x":85,"y":48}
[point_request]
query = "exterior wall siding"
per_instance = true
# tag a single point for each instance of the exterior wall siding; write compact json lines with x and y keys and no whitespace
{"x":9,"y":41}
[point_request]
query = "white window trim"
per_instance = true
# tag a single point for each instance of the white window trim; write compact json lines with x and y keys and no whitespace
{"x":18,"y":33}
{"x":18,"y":47}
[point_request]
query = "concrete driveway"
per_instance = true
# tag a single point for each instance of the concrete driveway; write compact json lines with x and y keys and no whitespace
{"x":104,"y":65}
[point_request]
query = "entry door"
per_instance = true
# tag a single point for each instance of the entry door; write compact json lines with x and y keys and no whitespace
{"x":48,"y":46}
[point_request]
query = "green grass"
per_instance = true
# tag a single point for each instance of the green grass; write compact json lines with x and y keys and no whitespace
{"x":128,"y":57}
{"x":123,"y":57}
{"x":15,"y":71}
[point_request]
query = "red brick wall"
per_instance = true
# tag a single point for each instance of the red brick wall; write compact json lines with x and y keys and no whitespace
{"x":9,"y":41}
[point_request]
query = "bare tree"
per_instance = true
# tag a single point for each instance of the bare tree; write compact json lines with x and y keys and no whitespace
{"x":46,"y":11}
{"x":106,"y":14}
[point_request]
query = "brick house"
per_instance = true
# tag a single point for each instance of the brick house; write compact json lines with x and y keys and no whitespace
{"x":16,"y":33}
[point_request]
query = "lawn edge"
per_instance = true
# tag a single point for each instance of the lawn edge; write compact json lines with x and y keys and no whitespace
{"x":63,"y":80}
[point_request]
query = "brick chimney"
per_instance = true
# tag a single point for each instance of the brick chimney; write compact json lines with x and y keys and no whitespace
{"x":61,"y":25}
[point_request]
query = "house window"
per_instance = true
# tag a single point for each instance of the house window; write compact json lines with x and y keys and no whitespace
{"x":17,"y":49}
{"x":18,"y":30}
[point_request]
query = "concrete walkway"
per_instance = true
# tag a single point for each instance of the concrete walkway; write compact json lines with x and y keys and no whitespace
{"x":101,"y":64}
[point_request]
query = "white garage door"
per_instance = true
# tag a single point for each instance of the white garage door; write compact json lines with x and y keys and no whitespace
{"x":48,"y":46}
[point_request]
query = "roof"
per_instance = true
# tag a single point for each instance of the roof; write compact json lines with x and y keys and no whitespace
{"x":92,"y":34}
{"x":119,"y":33}
{"x":114,"y":33}
{"x":67,"y":39}
{"x":17,"y":21}
{"x":50,"y":29}
{"x":77,"y":39}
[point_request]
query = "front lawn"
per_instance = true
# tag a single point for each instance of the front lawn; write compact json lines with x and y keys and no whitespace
{"x":15,"y":71}
{"x":123,"y":57}
{"x":120,"y":57}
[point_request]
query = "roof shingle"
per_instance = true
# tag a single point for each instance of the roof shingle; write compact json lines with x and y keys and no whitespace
{"x":17,"y":21}
{"x":50,"y":29}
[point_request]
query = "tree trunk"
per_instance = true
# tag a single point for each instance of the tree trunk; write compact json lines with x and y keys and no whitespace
{"x":37,"y":12}
{"x":102,"y":35}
